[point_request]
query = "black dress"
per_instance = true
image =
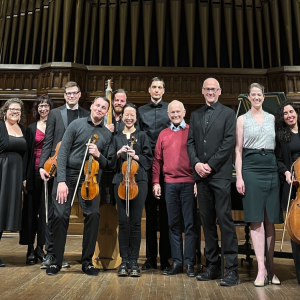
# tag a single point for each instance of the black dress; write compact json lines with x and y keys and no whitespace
{"x":11,"y":181}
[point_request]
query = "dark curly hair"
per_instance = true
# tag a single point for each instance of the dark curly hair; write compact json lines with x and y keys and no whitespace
{"x":7,"y":104}
{"x":283,"y":132}
{"x":41,"y":99}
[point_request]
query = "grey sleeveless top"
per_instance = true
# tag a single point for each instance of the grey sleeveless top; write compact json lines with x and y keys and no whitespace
{"x":259,"y":136}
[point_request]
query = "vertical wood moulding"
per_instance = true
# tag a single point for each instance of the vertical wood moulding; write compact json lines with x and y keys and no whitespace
{"x":216,"y":15}
{"x":190,"y":11}
{"x":123,"y":10}
{"x":228,"y":26}
{"x":36,"y":27}
{"x":204,"y":18}
{"x":135,"y":13}
{"x":68,"y":5}
{"x":147,"y":22}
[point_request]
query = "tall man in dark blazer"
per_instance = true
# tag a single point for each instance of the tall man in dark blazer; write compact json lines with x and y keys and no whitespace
{"x":210,"y":145}
{"x":57,"y":123}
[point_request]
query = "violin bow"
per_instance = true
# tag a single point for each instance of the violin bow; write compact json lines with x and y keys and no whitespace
{"x":87,"y":147}
{"x":287,"y":210}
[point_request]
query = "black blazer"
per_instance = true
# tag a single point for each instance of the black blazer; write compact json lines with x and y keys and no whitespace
{"x":284,"y":163}
{"x":215,"y":145}
{"x":57,"y":124}
{"x":142,"y":148}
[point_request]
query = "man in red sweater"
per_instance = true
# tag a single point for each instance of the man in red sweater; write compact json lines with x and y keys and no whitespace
{"x":171,"y":157}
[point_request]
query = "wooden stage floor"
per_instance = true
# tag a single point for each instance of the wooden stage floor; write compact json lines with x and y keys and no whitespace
{"x":18,"y":281}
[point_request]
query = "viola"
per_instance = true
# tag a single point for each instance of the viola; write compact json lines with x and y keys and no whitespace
{"x":50,"y":165}
{"x":90,"y":187}
{"x":128,"y":188}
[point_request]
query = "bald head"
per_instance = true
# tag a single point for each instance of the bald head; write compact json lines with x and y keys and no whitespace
{"x":176,"y":112}
{"x":211,"y":91}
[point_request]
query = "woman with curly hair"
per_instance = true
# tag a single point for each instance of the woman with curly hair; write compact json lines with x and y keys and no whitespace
{"x":257,"y":179}
{"x":33,"y":212}
{"x":12,"y":149}
{"x":287,"y":151}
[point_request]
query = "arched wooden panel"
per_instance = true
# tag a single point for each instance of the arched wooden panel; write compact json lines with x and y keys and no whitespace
{"x":93,"y":28}
{"x":23,"y":13}
{"x":135,"y":13}
{"x":50,"y":25}
{"x":286,"y":7}
{"x":102,"y":21}
{"x":258,"y":17}
{"x":123,"y":10}
{"x":36,"y":27}
{"x":240,"y":27}
{"x":265,"y":6}
{"x":112,"y":24}
{"x":228,"y":26}
{"x":296,"y":6}
{"x":204,"y":18}
{"x":57,"y":10}
{"x":216,"y":15}
{"x":15,"y":21}
{"x":68,"y":5}
{"x":44,"y":27}
{"x":275,"y":19}
{"x":190,"y":11}
{"x":9,"y":13}
{"x":147,"y":22}
{"x":249,"y":17}
{"x":161,"y":8}
{"x":175,"y":6}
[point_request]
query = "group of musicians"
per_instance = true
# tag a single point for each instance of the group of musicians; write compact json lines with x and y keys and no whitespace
{"x":177,"y":163}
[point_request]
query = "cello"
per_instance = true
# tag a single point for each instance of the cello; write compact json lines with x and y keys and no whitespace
{"x":106,"y":253}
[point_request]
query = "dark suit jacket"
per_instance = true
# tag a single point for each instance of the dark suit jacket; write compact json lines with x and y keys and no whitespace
{"x":57,"y":124}
{"x":215,"y":145}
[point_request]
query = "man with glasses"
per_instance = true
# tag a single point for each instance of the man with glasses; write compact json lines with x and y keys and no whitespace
{"x":210,"y":145}
{"x":58,"y":121}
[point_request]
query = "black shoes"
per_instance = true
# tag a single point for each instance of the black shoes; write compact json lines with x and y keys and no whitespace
{"x":149,"y":264}
{"x":164,"y":265}
{"x":47,"y":260}
{"x":31,"y":259}
{"x":39,"y":252}
{"x":90,"y":270}
{"x":2,"y":263}
{"x":65,"y":264}
{"x":190,"y":271}
{"x":135,"y":270}
{"x":123,"y":269}
{"x":212,"y":272}
{"x":231,"y":278}
{"x":173,"y":270}
{"x":52,"y":270}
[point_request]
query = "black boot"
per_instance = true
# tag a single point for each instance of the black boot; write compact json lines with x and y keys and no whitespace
{"x":30,"y":257}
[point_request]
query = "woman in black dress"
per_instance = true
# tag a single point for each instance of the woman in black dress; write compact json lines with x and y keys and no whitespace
{"x":33,"y":212}
{"x":130,"y":228}
{"x":287,"y":151}
{"x":12,"y":149}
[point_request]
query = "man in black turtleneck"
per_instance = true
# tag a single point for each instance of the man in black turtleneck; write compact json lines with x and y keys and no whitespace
{"x":57,"y":123}
{"x":153,"y":119}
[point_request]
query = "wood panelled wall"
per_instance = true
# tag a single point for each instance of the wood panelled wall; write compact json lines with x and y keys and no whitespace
{"x":185,"y":33}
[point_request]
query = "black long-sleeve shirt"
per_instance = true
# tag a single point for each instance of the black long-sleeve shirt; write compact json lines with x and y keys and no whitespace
{"x":153,"y":118}
{"x":73,"y":146}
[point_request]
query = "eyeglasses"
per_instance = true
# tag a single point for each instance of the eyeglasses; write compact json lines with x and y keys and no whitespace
{"x":43,"y":106}
{"x":15,"y":110}
{"x":72,"y":93}
{"x":213,"y":90}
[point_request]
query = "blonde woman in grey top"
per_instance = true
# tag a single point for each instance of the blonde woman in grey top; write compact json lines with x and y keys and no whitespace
{"x":257,"y":178}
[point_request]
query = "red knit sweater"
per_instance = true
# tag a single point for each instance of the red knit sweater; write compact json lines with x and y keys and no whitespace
{"x":171,"y":156}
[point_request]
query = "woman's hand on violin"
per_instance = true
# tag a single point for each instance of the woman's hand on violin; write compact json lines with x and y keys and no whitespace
{"x":93,"y":149}
{"x":156,"y":191}
{"x":124,"y":149}
{"x":62,"y":193}
{"x":288,"y":177}
{"x":24,"y":187}
{"x":240,"y":186}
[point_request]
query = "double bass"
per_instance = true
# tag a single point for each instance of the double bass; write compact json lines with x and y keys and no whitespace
{"x":292,"y":219}
{"x":106,"y":255}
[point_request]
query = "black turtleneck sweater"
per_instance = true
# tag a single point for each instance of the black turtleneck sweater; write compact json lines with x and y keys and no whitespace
{"x":153,"y":118}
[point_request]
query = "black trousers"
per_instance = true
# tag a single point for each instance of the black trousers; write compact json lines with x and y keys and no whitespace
{"x":90,"y":209}
{"x":215,"y":202}
{"x":151,"y":205}
{"x":180,"y":201}
{"x":296,"y":257}
{"x":130,"y":230}
{"x":49,"y":230}
{"x":33,"y":214}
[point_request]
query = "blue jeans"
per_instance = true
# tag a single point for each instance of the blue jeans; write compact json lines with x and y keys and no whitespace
{"x":180,"y":200}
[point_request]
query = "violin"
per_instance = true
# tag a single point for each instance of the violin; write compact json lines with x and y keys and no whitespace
{"x":128,"y":188}
{"x":50,"y":165}
{"x":90,"y":187}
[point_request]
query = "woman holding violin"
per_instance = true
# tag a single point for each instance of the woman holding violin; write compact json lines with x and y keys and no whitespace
{"x":33,"y":212}
{"x":257,"y":179}
{"x":130,"y":145}
{"x":12,"y":149}
{"x":287,"y":152}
